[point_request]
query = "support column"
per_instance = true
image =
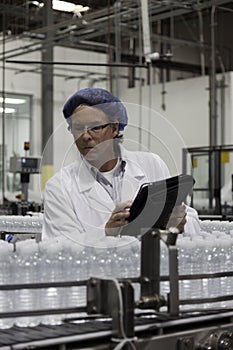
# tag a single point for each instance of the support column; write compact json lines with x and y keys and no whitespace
{"x":117,"y":20}
{"x":47,"y":94}
{"x":212,"y":110}
{"x":212,"y":81}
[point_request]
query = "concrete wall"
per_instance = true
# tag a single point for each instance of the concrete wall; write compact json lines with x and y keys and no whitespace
{"x":183,"y":123}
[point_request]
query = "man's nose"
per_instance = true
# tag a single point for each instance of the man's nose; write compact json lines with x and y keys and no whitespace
{"x":86,"y":135}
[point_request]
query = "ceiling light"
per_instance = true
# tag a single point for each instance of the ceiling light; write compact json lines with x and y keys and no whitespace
{"x":85,"y":8}
{"x":13,"y":101}
{"x":38,"y":4}
{"x":7,"y":110}
{"x":66,"y":6}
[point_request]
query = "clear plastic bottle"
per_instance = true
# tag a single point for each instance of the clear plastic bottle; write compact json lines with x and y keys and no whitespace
{"x":206,"y":225}
{"x":18,"y":223}
{"x":211,"y":264}
{"x":63,"y":268}
{"x":104,"y":260}
{"x":25,"y":271}
{"x":113,"y":270}
{"x":188,"y":288}
{"x":6,"y":297}
{"x":228,"y":267}
{"x":101,"y":262}
{"x":164,"y":268}
{"x":123,"y":260}
{"x":125,"y":257}
{"x":78,"y":272}
{"x":126,"y":261}
{"x":36,"y":224}
{"x":50,"y":271}
{"x":9,"y":224}
{"x":4,"y":223}
{"x":200,"y":286}
{"x":225,"y":265}
{"x":27,"y":224}
{"x":136,"y":266}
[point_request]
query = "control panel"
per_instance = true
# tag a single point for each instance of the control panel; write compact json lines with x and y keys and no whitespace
{"x":25,"y":165}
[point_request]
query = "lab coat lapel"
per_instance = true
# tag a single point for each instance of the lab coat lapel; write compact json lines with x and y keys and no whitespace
{"x":94,"y":193}
{"x":99,"y":198}
{"x":133,"y":178}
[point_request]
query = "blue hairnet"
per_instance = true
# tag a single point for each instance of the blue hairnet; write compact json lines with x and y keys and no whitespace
{"x":101,"y":99}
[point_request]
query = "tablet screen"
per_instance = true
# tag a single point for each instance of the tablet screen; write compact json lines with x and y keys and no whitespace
{"x":154,"y":203}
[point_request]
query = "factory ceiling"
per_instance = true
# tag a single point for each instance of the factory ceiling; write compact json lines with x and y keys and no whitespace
{"x":115,"y":28}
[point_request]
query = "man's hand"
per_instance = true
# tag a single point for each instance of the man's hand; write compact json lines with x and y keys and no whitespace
{"x":177,"y":218}
{"x":118,"y":219}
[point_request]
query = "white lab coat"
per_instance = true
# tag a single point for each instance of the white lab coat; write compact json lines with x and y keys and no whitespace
{"x":78,"y":207}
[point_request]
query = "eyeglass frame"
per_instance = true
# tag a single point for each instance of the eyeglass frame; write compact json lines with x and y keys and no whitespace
{"x":91,"y":129}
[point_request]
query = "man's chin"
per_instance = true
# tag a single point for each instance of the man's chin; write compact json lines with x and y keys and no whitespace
{"x":86,"y":151}
{"x":95,"y":159}
{"x":90,"y":155}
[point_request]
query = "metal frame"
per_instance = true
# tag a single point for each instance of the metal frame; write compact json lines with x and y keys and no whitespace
{"x":215,"y":173}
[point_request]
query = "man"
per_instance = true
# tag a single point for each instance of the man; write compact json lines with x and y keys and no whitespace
{"x":90,"y":199}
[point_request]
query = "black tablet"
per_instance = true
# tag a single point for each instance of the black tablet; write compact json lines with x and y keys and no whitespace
{"x":154,"y":203}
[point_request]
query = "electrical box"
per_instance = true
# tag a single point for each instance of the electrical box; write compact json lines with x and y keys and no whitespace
{"x":25,"y":165}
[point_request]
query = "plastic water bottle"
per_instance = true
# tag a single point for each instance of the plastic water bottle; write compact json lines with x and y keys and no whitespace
{"x":228,"y":267}
{"x":126,"y":261}
{"x":187,"y":288}
{"x":63,"y":268}
{"x":113,"y":270}
{"x":199,"y":257}
{"x":3,"y":223}
{"x":100,"y":265}
{"x":210,"y":264}
{"x":26,"y":272}
{"x":9,"y":224}
{"x":125,"y":257}
{"x":136,"y":266}
{"x":50,"y":271}
{"x":206,"y":225}
{"x":6,"y":297}
{"x":36,"y":224}
{"x":164,"y":268}
{"x":18,"y":223}
{"x":78,"y":272}
{"x":225,"y":264}
{"x":72,"y":267}
{"x":94,"y":270}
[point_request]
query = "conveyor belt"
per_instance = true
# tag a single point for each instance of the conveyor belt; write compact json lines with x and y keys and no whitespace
{"x":78,"y":330}
{"x":92,"y":329}
{"x":18,"y":335}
